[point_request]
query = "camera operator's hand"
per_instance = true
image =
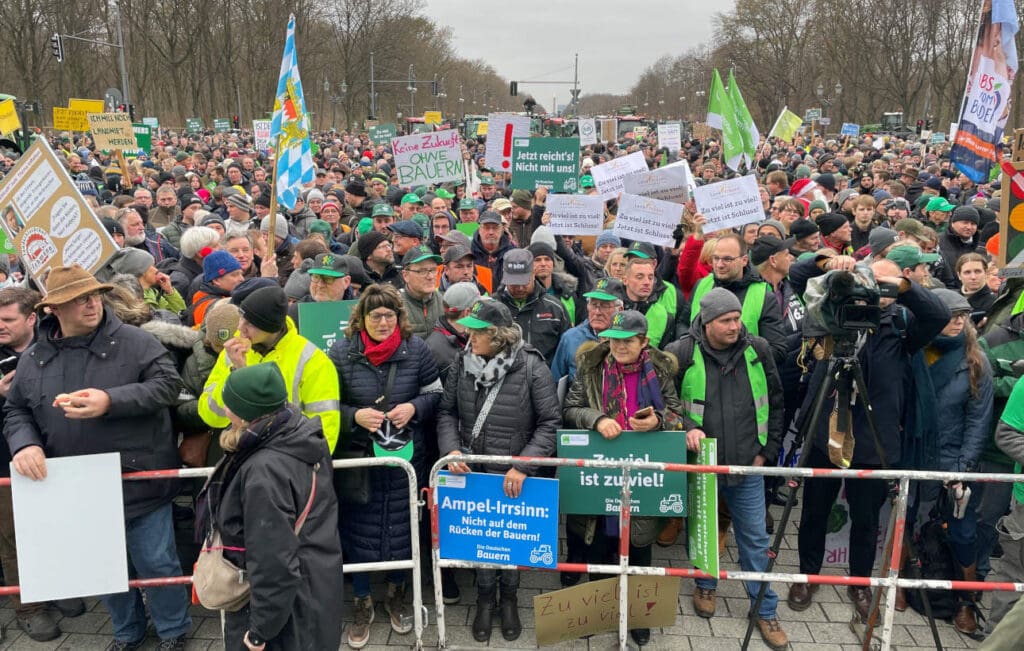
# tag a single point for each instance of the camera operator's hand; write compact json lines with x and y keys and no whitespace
{"x":840,"y":263}
{"x":898,"y":281}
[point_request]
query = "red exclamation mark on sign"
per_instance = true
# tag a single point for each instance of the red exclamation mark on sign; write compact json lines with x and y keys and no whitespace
{"x":506,"y":148}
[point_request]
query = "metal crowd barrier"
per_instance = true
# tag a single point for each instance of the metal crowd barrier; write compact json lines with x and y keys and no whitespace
{"x":890,"y":582}
{"x":347,"y":568}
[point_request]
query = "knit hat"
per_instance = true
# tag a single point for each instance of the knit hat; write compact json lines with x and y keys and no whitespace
{"x":608,"y":237}
{"x":364,"y":226}
{"x":266,"y":309}
{"x":543,"y":235}
{"x":831,"y":222}
{"x":717,"y":302}
{"x":965,"y":214}
{"x":212,"y":218}
{"x":910,"y":226}
{"x":522,"y":198}
{"x":263,"y":200}
{"x":848,"y":193}
{"x":802,"y":228}
{"x":826,"y":181}
{"x":239,"y":201}
{"x":248,"y":286}
{"x":319,"y":226}
{"x":314,"y":195}
{"x":219,"y":264}
{"x":817,"y":204}
{"x":541,"y":249}
{"x":934,"y":183}
{"x":880,"y":238}
{"x":220,"y":323}
{"x":131,"y":261}
{"x":367,"y":242}
{"x":776,"y":224}
{"x":765,"y":247}
{"x":297,"y":285}
{"x":356,"y":188}
{"x":280,"y":226}
{"x":255,"y":391}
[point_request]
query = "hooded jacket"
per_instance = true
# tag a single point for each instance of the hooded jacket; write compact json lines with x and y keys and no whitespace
{"x":491,"y":259}
{"x":541,"y":317}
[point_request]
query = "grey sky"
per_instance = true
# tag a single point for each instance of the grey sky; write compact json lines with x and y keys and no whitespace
{"x":536,"y":39}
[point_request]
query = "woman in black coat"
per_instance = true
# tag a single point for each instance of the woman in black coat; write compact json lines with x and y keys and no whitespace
{"x":272,"y":499}
{"x":522,"y":420}
{"x":377,"y":419}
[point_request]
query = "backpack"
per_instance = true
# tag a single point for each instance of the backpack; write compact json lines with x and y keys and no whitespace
{"x":934,"y":561}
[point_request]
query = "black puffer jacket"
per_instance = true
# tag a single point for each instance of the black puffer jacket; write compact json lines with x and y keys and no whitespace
{"x":541,"y":317}
{"x":258,"y":494}
{"x":522,"y":422}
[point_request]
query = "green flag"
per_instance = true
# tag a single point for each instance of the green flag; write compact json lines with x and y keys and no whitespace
{"x":748,"y":132}
{"x":786,"y":126}
{"x":722,"y":115}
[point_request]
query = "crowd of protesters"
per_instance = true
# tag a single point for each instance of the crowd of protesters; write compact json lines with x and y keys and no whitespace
{"x":477,"y":330}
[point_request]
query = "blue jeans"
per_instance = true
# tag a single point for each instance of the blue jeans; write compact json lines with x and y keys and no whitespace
{"x":151,"y":555}
{"x":361,"y":581}
{"x":746,"y":504}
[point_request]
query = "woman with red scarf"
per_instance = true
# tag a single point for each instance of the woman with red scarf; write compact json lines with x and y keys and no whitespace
{"x":389,"y":390}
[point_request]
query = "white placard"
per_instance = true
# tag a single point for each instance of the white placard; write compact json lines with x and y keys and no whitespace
{"x":588,"y":131}
{"x":608,"y":176}
{"x":425,"y":158}
{"x":670,"y":136}
{"x":261,"y":134}
{"x":953,"y":127}
{"x":501,"y":129}
{"x":667,"y":183}
{"x":575,"y":214}
{"x":69,"y":529}
{"x":647,"y":220}
{"x":731,"y":203}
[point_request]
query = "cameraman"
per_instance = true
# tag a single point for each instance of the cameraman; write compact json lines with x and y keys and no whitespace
{"x":907,"y":325}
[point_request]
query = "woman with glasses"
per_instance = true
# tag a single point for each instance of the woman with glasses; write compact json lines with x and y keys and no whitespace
{"x":390,"y":388}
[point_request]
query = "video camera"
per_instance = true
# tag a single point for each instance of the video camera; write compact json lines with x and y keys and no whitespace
{"x":845,"y":303}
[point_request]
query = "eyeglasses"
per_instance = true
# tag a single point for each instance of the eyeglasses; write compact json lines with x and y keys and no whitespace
{"x":602,"y":306}
{"x":426,"y":273}
{"x":727,"y":259}
{"x":85,"y":300}
{"x":378,"y":317}
{"x":960,"y":316}
{"x":320,"y":278}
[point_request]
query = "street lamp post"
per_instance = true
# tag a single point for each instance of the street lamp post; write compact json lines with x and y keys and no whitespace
{"x":700,"y":98}
{"x":682,"y":107}
{"x":837,"y":90}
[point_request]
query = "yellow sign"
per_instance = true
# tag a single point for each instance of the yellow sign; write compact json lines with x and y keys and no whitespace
{"x":432,"y":117}
{"x":69,"y":120}
{"x":8,"y":117}
{"x":112,"y":131}
{"x":87,"y":105}
{"x":481,"y":128}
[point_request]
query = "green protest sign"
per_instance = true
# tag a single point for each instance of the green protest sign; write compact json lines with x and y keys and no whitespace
{"x":152,"y":123}
{"x":703,"y":523}
{"x":143,"y":137}
{"x":5,"y":244}
{"x":324,"y":323}
{"x":221,"y":125}
{"x":598,"y":491}
{"x":383,"y":133}
{"x":467,"y":228}
{"x":193,"y":125}
{"x":553,"y":163}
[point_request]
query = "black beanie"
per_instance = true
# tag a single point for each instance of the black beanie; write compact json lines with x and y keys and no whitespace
{"x":369,"y":241}
{"x":262,"y":200}
{"x":965,"y":214}
{"x":266,"y":309}
{"x":831,"y":222}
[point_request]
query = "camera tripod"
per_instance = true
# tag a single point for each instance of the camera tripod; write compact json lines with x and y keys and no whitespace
{"x":842,"y":375}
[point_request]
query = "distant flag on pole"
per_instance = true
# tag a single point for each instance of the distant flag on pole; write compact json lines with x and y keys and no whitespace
{"x":288,"y":128}
{"x":786,"y":125}
{"x":748,"y":130}
{"x":719,"y":104}
{"x":722,"y":115}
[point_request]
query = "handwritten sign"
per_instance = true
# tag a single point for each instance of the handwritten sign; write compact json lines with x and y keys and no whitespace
{"x":65,"y":119}
{"x":575,"y":214}
{"x":112,"y":131}
{"x":261,"y":134}
{"x":669,"y":183}
{"x":647,"y":220}
{"x":506,"y":127}
{"x":591,"y":608}
{"x":588,"y":132}
{"x":670,"y":136}
{"x":731,"y":203}
{"x":608,"y":176}
{"x":425,"y":158}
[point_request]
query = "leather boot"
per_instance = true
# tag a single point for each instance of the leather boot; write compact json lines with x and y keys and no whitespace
{"x":965,"y":620}
{"x":485,"y":605}
{"x":511,"y":627}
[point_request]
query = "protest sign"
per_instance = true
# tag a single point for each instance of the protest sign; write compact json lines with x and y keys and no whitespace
{"x":640,"y":132}
{"x":469,"y":229}
{"x":481,"y":128}
{"x":9,"y":120}
{"x":609,"y":130}
{"x":730,"y":203}
{"x":81,"y":500}
{"x":432,"y":117}
{"x":221,"y":125}
{"x":112,"y":131}
{"x":499,"y":144}
{"x":702,"y":525}
{"x":553,"y":163}
{"x":588,"y":131}
{"x":937,"y":138}
{"x":143,"y":137}
{"x":65,"y":119}
{"x":261,"y":134}
{"x":478,"y":522}
{"x":593,"y":607}
{"x":598,"y":492}
{"x":702,"y":130}
{"x":56,"y":227}
{"x":575,"y":214}
{"x":425,"y":158}
{"x":608,"y":176}
{"x":324,"y":323}
{"x":850,"y":129}
{"x":382,"y":133}
{"x":87,"y":105}
{"x":669,"y":183}
{"x":193,"y":125}
{"x":152,"y":123}
{"x":670,"y":136}
{"x":647,"y":220}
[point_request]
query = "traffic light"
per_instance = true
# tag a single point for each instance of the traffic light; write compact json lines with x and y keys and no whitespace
{"x":57,"y":45}
{"x":236,"y":121}
{"x":920,"y":125}
{"x":513,"y":88}
{"x":928,"y":124}
{"x":433,"y":88}
{"x":122,"y":108}
{"x":131,"y":112}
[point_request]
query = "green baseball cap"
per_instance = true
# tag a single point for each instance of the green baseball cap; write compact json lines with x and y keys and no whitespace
{"x":908,"y":257}
{"x":419,"y":254}
{"x":486,"y":180}
{"x":383,"y":209}
{"x":626,"y":324}
{"x":586,"y":181}
{"x":411,"y":197}
{"x":443,"y":194}
{"x":328,"y":264}
{"x":940,"y":204}
{"x":641,"y":250}
{"x":486,"y":312}
{"x":467,"y":204}
{"x":607,"y":289}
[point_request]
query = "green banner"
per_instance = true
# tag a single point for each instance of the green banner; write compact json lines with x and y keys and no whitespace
{"x":324,"y":323}
{"x":193,"y":125}
{"x":703,"y":524}
{"x":553,"y":163}
{"x":143,"y":137}
{"x":468,"y":228}
{"x":598,"y":492}
{"x":221,"y":125}
{"x":152,"y":123}
{"x":383,"y":133}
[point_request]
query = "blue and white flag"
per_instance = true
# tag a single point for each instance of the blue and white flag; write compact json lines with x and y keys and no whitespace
{"x":289,"y":128}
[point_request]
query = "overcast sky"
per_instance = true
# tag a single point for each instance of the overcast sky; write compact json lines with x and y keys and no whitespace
{"x":536,"y":39}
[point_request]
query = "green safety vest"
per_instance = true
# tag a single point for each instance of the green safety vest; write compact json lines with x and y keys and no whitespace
{"x":570,"y":308}
{"x":753,"y":302}
{"x":659,"y":314}
{"x":694,"y":386}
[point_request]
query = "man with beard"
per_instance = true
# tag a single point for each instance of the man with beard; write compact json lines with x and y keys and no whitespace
{"x":191,"y":204}
{"x":166,"y":211}
{"x":540,"y":316}
{"x":135,"y":235}
{"x":378,"y":258}
{"x":490,"y":243}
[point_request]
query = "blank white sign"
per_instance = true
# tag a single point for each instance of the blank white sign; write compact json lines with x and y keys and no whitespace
{"x":69,"y":529}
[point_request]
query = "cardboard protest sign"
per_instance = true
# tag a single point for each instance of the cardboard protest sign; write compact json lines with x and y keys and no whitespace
{"x":87,"y":105}
{"x":588,"y":131}
{"x":56,"y":227}
{"x":112,"y":131}
{"x":702,"y":130}
{"x":221,"y":125}
{"x":575,"y":214}
{"x":598,"y":492}
{"x":261,"y":134}
{"x":553,"y":163}
{"x":478,"y":522}
{"x":143,"y":137}
{"x":432,"y":117}
{"x":702,"y":525}
{"x":506,"y":127}
{"x":608,"y":176}
{"x":425,"y":158}
{"x":647,"y":220}
{"x":670,"y":136}
{"x":591,"y":608}
{"x":324,"y":323}
{"x":193,"y":125}
{"x":609,"y":130}
{"x":667,"y":183}
{"x":731,"y":203}
{"x":65,"y":119}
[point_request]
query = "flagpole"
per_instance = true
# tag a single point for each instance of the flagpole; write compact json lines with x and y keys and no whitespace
{"x":272,"y":227}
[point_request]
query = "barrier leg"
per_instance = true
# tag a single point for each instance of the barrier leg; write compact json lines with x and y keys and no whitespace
{"x":624,"y":520}
{"x":897,"y":538}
